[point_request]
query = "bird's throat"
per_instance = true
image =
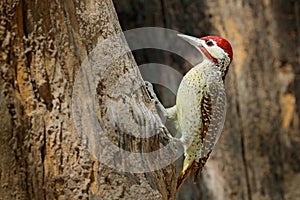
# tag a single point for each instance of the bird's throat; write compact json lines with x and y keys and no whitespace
{"x":207,"y":54}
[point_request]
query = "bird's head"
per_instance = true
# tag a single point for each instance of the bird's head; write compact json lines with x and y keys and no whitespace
{"x":214,"y":48}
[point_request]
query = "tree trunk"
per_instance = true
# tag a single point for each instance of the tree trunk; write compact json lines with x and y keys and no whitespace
{"x":257,"y":156}
{"x":262,"y":99}
{"x":43,"y":47}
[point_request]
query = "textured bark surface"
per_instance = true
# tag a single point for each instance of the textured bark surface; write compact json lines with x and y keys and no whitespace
{"x":257,"y":156}
{"x":42,"y":45}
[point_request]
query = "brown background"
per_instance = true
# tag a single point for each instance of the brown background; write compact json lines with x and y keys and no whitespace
{"x":43,"y":43}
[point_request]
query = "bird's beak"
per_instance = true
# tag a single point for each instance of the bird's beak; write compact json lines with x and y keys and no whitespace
{"x":192,"y":40}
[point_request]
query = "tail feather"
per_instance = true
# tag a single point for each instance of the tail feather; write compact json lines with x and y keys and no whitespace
{"x":196,"y":173}
{"x":194,"y":170}
{"x":199,"y":167}
{"x":183,"y":175}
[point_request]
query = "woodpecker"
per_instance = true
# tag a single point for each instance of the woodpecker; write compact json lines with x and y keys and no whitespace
{"x":201,"y":103}
{"x":200,"y":107}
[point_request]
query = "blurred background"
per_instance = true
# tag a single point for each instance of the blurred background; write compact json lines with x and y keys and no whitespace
{"x":258,"y":153}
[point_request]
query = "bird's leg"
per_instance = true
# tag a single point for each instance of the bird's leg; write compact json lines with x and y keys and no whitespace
{"x":168,"y":113}
{"x":154,"y":98}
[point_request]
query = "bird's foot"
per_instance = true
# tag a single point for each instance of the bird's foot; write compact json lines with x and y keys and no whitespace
{"x":166,"y":137}
{"x":159,"y":106}
{"x":174,"y":145}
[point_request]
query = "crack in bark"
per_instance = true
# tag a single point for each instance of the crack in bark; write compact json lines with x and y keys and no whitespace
{"x":164,"y":13}
{"x":245,"y":163}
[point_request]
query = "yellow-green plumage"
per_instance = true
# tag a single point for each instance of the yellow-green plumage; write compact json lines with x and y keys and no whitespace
{"x":201,"y":103}
{"x":200,"y":97}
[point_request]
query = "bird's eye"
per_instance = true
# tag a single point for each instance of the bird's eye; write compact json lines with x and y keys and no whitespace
{"x":209,"y":43}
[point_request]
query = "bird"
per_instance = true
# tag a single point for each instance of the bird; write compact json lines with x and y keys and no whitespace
{"x":200,"y":107}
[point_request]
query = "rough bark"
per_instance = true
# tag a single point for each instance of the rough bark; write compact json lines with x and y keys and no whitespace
{"x":257,"y":156}
{"x":42,"y":45}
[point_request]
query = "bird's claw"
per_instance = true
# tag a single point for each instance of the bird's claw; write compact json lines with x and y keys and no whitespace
{"x":172,"y":143}
{"x":165,"y":135}
{"x":150,"y":90}
{"x":159,"y":106}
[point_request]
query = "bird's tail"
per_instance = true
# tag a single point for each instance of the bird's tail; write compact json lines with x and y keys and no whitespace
{"x":194,"y":169}
{"x":183,"y":175}
{"x":199,"y":167}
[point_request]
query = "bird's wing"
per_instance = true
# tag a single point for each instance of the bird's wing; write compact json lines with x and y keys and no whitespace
{"x":213,"y":111}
